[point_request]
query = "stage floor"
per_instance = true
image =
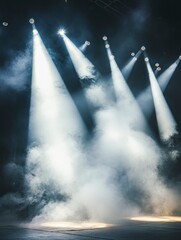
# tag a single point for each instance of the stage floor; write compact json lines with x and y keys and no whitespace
{"x":128,"y":230}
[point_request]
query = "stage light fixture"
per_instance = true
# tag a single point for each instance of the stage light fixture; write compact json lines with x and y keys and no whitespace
{"x":104,"y":38}
{"x":132,"y":54}
{"x":61,"y":32}
{"x":5,"y":24}
{"x":35,"y":32}
{"x":146,"y":59}
{"x":31,"y":21}
{"x":143,"y":48}
{"x":87,"y":43}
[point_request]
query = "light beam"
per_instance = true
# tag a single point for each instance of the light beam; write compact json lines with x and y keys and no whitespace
{"x":130,"y":65}
{"x":55,"y":127}
{"x":84,"y":68}
{"x":124,"y":95}
{"x":166,"y":123}
{"x":84,"y":46}
{"x":145,"y":98}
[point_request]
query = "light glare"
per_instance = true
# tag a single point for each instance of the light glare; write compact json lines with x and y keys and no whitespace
{"x":61,"y":32}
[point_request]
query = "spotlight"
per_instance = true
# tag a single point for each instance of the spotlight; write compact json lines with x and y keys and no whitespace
{"x":104,"y":38}
{"x":157,"y":64}
{"x":158,"y":69}
{"x":146,"y":59}
{"x":35,"y":32}
{"x":143,"y":48}
{"x":31,"y":21}
{"x":5,"y":24}
{"x":132,"y":54}
{"x":61,"y":32}
{"x":87,"y":43}
{"x":180,"y":57}
{"x":107,"y":46}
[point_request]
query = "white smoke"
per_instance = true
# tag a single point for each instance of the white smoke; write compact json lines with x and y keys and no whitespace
{"x":111,"y":176}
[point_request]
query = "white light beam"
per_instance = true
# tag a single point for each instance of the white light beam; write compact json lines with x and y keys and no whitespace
{"x":166,"y":123}
{"x":145,"y":98}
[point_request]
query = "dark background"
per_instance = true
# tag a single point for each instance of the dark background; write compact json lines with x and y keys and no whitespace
{"x":129,"y":24}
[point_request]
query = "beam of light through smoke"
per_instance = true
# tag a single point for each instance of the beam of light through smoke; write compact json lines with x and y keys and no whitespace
{"x":124,"y":95}
{"x":124,"y":157}
{"x":166,"y":123}
{"x":84,"y":68}
{"x":84,"y":46}
{"x":145,"y":99}
{"x":89,"y":76}
{"x":165,"y":77}
{"x":55,"y":129}
{"x":127,"y":69}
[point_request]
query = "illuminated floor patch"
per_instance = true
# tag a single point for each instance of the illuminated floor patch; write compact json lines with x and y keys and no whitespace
{"x":157,"y":219}
{"x":73,"y":225}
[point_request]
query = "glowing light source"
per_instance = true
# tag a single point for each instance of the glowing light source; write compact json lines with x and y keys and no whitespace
{"x":35,"y":32}
{"x":132,"y":54}
{"x":107,"y":46}
{"x":143,"y":48}
{"x":5,"y":24}
{"x":157,"y":64}
{"x":180,"y":57}
{"x":104,"y":38}
{"x":61,"y":32}
{"x":31,"y":21}
{"x":146,"y":59}
{"x":158,"y":69}
{"x":87,"y":43}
